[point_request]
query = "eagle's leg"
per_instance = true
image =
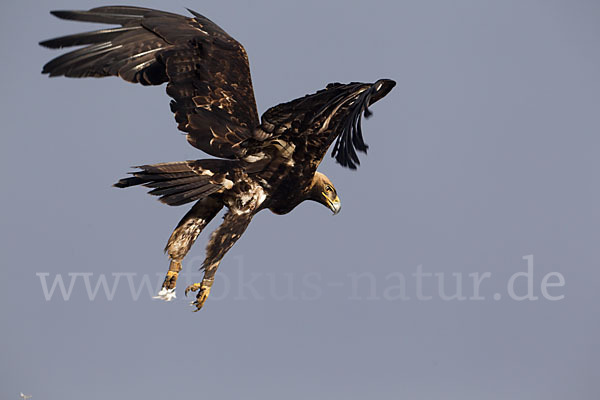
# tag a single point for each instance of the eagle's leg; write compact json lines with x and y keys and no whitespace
{"x":182,"y":239}
{"x":221,"y":241}
{"x":203,"y":287}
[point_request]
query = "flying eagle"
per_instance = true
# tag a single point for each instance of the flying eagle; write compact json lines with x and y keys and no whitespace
{"x":267,"y":163}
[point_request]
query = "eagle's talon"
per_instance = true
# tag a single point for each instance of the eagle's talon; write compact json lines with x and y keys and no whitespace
{"x":204,"y":291}
{"x":192,"y":288}
{"x":200,"y":297}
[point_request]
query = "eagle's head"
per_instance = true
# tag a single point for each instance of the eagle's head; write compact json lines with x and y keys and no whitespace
{"x":322,"y":191}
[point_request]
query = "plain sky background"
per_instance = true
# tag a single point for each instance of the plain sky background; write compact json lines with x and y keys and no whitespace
{"x":486,"y":151}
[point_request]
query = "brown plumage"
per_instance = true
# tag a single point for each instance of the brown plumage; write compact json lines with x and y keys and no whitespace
{"x":269,"y":163}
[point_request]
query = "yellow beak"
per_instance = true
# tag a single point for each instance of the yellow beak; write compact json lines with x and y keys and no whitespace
{"x":334,"y":205}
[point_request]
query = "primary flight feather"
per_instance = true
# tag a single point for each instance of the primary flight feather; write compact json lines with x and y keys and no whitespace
{"x":269,"y":163}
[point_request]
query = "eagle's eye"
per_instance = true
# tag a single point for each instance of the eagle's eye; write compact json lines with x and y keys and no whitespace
{"x":328,"y":189}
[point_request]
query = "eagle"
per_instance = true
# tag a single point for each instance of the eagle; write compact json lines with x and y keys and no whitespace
{"x":267,"y":163}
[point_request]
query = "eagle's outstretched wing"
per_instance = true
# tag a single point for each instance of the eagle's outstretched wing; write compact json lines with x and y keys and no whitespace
{"x":333,"y":113}
{"x":206,"y":69}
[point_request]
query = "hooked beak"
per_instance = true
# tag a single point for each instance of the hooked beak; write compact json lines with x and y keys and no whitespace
{"x":334,"y":205}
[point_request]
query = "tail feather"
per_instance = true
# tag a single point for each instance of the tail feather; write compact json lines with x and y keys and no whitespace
{"x":181,"y":198}
{"x":178,"y":188}
{"x":171,"y":182}
{"x":180,"y":182}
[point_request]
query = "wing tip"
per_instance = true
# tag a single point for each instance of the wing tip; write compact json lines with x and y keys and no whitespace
{"x":62,"y":14}
{"x":46,"y":43}
{"x":382,"y":88}
{"x":350,"y":140}
{"x":194,"y":13}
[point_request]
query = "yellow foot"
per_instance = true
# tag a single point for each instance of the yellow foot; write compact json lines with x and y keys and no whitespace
{"x":204,"y":291}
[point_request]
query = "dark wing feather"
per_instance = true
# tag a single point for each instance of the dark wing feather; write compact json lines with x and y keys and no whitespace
{"x":207,"y":71}
{"x":331,"y":114}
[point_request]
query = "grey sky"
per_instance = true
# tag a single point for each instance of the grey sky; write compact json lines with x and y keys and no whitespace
{"x":485,"y":152}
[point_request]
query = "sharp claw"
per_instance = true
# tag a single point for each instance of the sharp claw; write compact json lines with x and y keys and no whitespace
{"x":192,"y":288}
{"x":200,"y":297}
{"x":198,"y":305}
